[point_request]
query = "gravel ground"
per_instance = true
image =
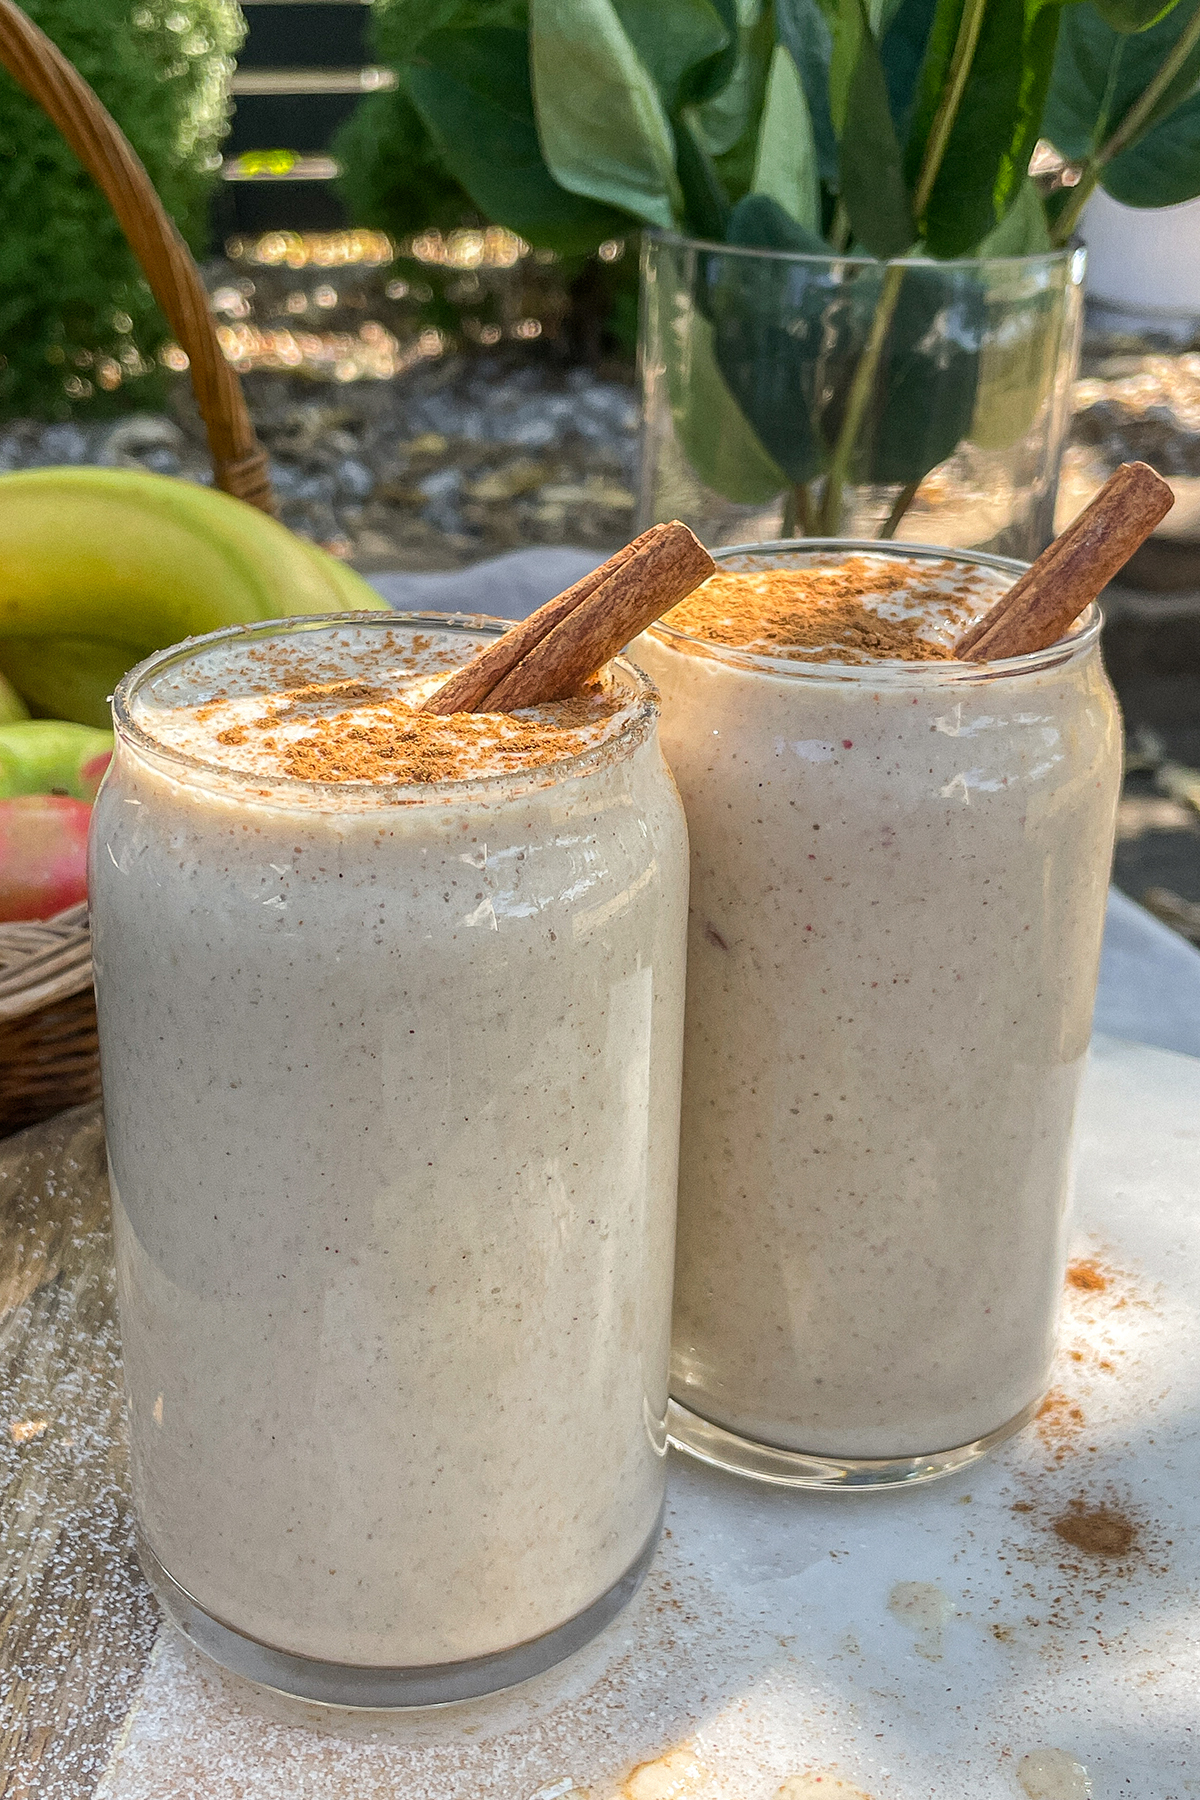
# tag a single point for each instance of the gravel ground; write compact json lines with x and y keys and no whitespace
{"x":467,"y":453}
{"x":1141,"y":404}
{"x":457,"y":459}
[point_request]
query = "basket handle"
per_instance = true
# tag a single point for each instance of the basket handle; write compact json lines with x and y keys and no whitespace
{"x":39,"y":66}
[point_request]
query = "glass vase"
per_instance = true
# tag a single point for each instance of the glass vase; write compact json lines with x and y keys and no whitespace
{"x":802,"y":396}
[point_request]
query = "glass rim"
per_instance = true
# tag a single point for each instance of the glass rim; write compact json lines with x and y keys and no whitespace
{"x":889,"y":672}
{"x":1064,"y":254}
{"x":644,"y":706}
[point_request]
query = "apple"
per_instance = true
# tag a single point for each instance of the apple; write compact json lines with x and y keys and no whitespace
{"x":52,"y":756}
{"x":43,"y":855}
{"x":92,"y":773}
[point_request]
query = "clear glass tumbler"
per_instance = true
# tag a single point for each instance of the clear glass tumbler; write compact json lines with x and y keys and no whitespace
{"x":391,"y":1080}
{"x":813,"y":396}
{"x":899,"y":874}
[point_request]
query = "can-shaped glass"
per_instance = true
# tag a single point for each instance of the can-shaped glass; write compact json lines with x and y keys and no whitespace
{"x":899,"y":873}
{"x":391,"y":1085}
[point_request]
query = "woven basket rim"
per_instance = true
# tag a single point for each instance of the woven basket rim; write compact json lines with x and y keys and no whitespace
{"x":43,"y":960}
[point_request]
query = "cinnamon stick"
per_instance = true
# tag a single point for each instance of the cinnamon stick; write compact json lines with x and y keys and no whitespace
{"x":468,"y":688}
{"x":1048,"y":598}
{"x":657,"y":577}
{"x":553,"y":652}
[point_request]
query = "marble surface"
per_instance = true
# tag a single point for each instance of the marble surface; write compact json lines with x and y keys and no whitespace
{"x":1149,"y":980}
{"x":1030,"y":1627}
{"x":505,"y":587}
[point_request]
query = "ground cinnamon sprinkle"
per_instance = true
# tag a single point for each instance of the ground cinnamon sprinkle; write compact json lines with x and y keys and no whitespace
{"x":375,"y":734}
{"x":821,"y":613}
{"x":363,"y":730}
{"x":1101,"y":1530}
{"x":295,"y":702}
{"x":1060,"y":1423}
{"x":396,"y":743}
{"x":1087,"y":1276}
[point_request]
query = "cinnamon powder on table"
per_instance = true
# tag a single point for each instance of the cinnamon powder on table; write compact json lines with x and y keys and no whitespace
{"x":821,"y":613}
{"x":1099,"y":1530}
{"x":1087,"y":1277}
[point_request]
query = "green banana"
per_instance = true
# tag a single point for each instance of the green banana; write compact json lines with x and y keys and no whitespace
{"x":69,"y":678}
{"x":11,"y":704}
{"x":348,"y":582}
{"x":52,"y":756}
{"x":98,"y":567}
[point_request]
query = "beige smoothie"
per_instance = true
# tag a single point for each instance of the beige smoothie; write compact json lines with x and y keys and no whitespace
{"x":899,"y":868}
{"x":391,"y":1019}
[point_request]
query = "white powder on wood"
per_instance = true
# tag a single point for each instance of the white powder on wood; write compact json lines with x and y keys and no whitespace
{"x":647,"y":1682}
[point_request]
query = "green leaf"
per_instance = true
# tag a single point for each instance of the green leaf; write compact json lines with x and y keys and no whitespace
{"x":1023,"y":232}
{"x":902,"y":53}
{"x":705,"y":201}
{"x":785,"y":163}
{"x":1018,"y":364}
{"x":719,"y":443}
{"x":967,"y":200}
{"x":1100,"y":73}
{"x":767,"y":316}
{"x":929,"y":377}
{"x":726,"y":118}
{"x":804,"y":31}
{"x":788,"y":337}
{"x":705,"y":80}
{"x":1129,"y":16}
{"x":1037,"y":67}
{"x":849,"y":26}
{"x":472,"y":90}
{"x":677,"y":42}
{"x":1163,"y":168}
{"x":931,"y":83}
{"x":397,"y":27}
{"x":603,"y":128}
{"x":760,"y":223}
{"x":873,"y":188}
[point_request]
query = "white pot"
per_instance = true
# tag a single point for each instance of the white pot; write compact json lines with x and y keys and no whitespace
{"x":1141,"y":259}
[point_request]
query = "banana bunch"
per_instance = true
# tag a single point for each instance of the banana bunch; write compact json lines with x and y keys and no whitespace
{"x":98,"y":567}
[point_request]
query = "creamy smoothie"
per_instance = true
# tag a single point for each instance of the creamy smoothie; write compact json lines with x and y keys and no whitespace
{"x":391,"y":1019}
{"x":899,"y":868}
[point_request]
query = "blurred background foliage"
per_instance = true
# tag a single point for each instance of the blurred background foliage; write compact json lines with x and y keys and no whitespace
{"x":79,"y":329}
{"x":395,"y":178}
{"x":789,"y":123}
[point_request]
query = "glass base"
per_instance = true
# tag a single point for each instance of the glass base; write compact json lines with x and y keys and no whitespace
{"x":352,"y":1685}
{"x":723,"y":1449}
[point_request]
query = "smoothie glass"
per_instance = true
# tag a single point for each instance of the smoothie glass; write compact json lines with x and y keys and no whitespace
{"x":391,"y":1080}
{"x":899,"y":873}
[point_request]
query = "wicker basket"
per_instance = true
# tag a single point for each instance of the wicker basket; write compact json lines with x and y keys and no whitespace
{"x":48,"y":1054}
{"x":48,"y":1057}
